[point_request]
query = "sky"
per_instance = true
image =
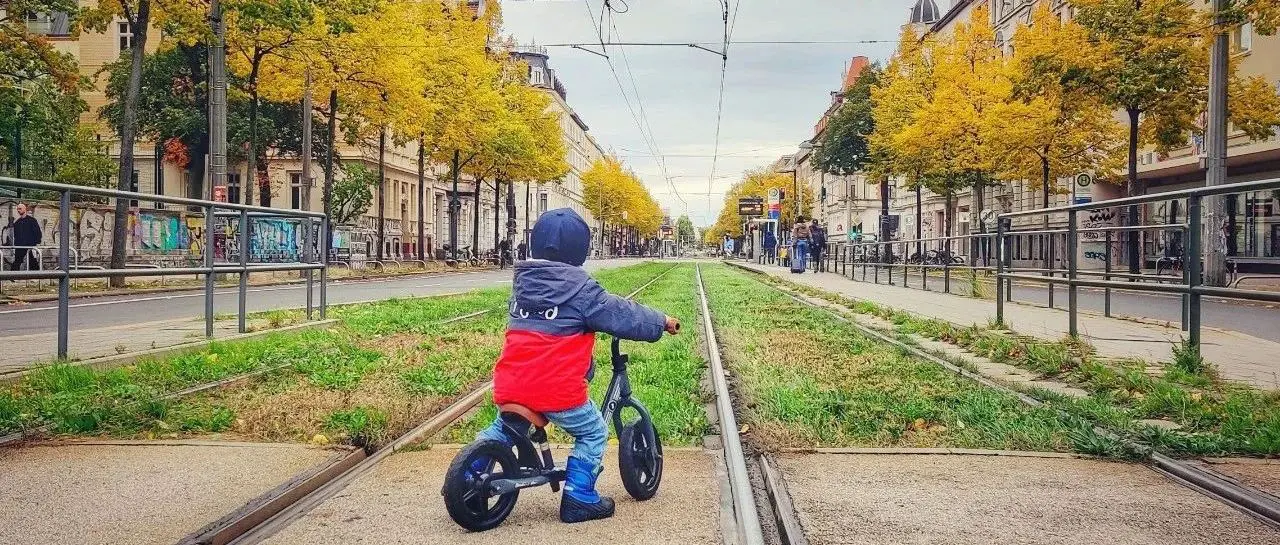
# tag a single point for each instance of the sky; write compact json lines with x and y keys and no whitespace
{"x":774,"y":94}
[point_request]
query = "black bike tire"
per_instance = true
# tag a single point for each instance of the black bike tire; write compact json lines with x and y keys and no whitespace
{"x":455,"y":486}
{"x":629,"y":466}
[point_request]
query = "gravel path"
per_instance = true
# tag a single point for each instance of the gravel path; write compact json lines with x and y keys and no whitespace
{"x":905,"y":499}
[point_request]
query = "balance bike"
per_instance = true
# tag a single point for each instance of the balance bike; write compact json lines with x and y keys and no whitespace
{"x":481,"y":500}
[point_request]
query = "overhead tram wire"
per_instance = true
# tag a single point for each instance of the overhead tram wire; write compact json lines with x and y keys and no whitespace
{"x":644,"y":116}
{"x":724,"y":67}
{"x":648,"y":139}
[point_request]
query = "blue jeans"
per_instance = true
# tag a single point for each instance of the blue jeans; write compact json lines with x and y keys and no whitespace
{"x":802,"y":250}
{"x":583,"y":422}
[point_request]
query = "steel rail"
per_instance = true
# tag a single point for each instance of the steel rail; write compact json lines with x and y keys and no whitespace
{"x":744,"y":502}
{"x":1257,"y":504}
{"x":259,"y":524}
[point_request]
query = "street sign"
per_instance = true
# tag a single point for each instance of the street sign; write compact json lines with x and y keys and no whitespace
{"x":775,"y":195}
{"x":220,"y":193}
{"x":1084,"y":179}
{"x":751,"y":207}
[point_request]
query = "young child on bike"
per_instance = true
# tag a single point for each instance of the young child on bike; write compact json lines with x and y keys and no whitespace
{"x":555,"y":311}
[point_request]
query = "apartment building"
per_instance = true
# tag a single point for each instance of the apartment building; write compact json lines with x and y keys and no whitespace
{"x":399,"y":204}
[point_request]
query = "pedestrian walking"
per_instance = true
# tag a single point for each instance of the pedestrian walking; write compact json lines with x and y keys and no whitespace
{"x":800,"y":238}
{"x":26,"y":236}
{"x":504,"y":253}
{"x":522,"y":251}
{"x":770,"y":245}
{"x":818,"y":245}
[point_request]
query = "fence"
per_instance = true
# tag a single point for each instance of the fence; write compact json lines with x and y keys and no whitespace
{"x":1081,"y":254}
{"x":239,"y":241}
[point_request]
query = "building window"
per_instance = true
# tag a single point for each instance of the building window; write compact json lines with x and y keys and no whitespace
{"x":124,"y":32}
{"x":542,"y":203}
{"x":295,"y":190}
{"x":1242,"y":38}
{"x":233,"y":187}
{"x":535,"y":76}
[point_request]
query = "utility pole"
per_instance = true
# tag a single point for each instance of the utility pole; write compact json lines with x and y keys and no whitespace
{"x":887,"y":255}
{"x":306,"y":145}
{"x":511,"y":214}
{"x":1215,"y":248}
{"x":217,"y":104}
{"x":327,"y":197}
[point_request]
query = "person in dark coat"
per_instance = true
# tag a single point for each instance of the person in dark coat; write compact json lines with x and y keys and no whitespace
{"x":556,"y":308}
{"x":522,"y":251}
{"x":770,"y":245}
{"x":817,"y":245}
{"x":26,"y":235}
{"x":504,"y":253}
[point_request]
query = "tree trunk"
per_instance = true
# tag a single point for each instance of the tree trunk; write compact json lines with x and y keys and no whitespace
{"x":919,"y":220}
{"x":887,"y":254}
{"x":1213,"y":243}
{"x":128,"y":134}
{"x":497,"y":206}
{"x":196,"y":57}
{"x":946,"y":214}
{"x":422,"y":196}
{"x":252,"y":157}
{"x":475,"y":222}
{"x":382,"y":190}
{"x":1133,"y":250}
{"x":1044,"y":185}
{"x":454,"y":208}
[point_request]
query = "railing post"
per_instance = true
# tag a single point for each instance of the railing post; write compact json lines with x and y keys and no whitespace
{"x":1106,"y":274}
{"x":64,"y":281}
{"x":1000,"y":280}
{"x":1186,"y":297}
{"x":308,"y":242}
{"x":325,"y":238}
{"x":1050,"y":263}
{"x":243,"y":259}
{"x":1194,"y":258}
{"x":1072,"y":266}
{"x":209,"y":223}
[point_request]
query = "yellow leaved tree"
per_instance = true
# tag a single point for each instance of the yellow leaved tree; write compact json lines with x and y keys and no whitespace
{"x":756,"y":184}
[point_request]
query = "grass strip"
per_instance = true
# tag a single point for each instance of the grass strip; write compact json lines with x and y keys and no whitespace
{"x":806,"y":379}
{"x":664,"y":375}
{"x":379,"y":339}
{"x":1216,"y":417}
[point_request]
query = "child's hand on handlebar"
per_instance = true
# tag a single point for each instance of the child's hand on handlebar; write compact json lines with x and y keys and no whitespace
{"x":673,"y":325}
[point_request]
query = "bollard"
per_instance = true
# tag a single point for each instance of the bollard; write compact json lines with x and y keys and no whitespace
{"x":999,"y":270}
{"x":946,"y":265}
{"x":308,"y":242}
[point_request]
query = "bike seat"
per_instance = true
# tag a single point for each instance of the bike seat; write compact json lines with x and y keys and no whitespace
{"x":532,"y":416}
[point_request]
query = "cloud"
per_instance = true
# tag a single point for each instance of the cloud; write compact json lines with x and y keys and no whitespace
{"x":774,"y":94}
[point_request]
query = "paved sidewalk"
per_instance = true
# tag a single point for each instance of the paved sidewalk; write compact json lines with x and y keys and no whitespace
{"x":1238,"y":356}
{"x":27,"y":351}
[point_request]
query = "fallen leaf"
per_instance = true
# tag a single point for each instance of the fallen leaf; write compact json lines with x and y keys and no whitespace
{"x":320,"y":439}
{"x":745,"y":428}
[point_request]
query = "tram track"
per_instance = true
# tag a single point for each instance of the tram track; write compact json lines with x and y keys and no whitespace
{"x":263,"y":517}
{"x":1248,"y":500}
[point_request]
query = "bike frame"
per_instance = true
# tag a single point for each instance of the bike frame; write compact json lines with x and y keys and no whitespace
{"x":533,"y":453}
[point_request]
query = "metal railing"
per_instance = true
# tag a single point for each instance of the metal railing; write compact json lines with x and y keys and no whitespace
{"x":310,"y":260}
{"x":1191,"y":285}
{"x":1051,"y":257}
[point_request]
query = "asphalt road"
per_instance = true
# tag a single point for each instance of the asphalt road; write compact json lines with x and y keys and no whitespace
{"x":1257,"y":319}
{"x":96,"y":312}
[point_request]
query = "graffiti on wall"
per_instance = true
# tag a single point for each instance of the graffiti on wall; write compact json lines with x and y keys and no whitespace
{"x":273,"y":240}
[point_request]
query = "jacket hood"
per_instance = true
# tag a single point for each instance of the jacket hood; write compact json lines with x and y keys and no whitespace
{"x":540,"y":285}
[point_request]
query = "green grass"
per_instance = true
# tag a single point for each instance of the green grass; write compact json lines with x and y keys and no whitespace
{"x":392,"y":356}
{"x":809,"y":380}
{"x":664,"y":375}
{"x":1217,"y":417}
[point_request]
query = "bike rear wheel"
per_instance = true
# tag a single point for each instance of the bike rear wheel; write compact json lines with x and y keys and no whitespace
{"x":639,"y":462}
{"x":466,"y":494}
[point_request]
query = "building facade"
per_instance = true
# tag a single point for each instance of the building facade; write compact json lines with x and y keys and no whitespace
{"x":479,"y":219}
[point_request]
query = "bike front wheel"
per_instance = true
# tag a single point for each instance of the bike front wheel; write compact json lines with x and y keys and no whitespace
{"x":639,"y":462}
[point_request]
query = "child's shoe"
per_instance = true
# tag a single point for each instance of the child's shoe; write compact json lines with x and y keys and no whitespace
{"x":580,"y":501}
